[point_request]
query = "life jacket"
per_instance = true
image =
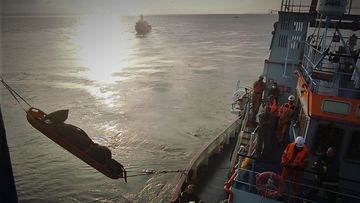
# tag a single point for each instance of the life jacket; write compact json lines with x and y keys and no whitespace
{"x":286,"y":111}
{"x":258,"y":87}
{"x":300,"y":156}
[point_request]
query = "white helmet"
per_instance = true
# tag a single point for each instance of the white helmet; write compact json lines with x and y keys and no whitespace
{"x":300,"y":141}
{"x":291,"y":98}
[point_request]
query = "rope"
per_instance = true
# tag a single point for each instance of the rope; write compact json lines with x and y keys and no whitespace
{"x":16,"y":95}
{"x":154,"y":172}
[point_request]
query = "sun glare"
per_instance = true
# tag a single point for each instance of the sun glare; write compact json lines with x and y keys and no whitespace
{"x":104,"y":50}
{"x":103,"y":47}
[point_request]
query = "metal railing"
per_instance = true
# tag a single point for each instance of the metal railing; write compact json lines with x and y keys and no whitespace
{"x":314,"y":60}
{"x":302,"y":6}
{"x":287,"y":195}
{"x":239,"y":147}
{"x":296,"y":6}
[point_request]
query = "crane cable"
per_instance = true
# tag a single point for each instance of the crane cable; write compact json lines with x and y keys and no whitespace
{"x":16,"y":95}
{"x":154,"y":172}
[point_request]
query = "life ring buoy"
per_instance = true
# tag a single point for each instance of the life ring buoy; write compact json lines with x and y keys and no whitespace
{"x":273,"y":187}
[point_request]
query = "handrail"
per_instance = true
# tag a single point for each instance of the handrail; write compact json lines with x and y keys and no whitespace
{"x":299,"y":197}
{"x":308,"y":65}
{"x":301,"y":184}
{"x":309,"y":186}
{"x":306,"y":171}
{"x":299,"y":6}
{"x":290,"y":6}
{"x":238,"y":144}
{"x":227,"y":186}
{"x":253,"y":141}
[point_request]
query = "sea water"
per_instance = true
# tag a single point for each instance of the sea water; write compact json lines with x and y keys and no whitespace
{"x":154,"y":100}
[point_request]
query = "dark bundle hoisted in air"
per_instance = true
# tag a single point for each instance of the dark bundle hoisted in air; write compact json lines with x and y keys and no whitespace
{"x":76,"y":141}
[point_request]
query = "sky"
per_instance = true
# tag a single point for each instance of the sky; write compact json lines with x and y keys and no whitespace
{"x":134,"y":7}
{"x":146,"y":7}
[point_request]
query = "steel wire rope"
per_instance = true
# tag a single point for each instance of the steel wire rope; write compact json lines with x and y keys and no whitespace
{"x":15,"y":95}
{"x":155,"y":172}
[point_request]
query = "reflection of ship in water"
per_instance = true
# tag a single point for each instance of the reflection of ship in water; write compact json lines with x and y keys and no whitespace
{"x":312,"y":137}
{"x":142,"y":27}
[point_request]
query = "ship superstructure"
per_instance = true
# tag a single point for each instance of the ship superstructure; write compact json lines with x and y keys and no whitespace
{"x":314,"y":55}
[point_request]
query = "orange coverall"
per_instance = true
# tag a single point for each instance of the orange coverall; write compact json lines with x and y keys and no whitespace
{"x":258,"y":88}
{"x":293,"y":165}
{"x":286,"y":113}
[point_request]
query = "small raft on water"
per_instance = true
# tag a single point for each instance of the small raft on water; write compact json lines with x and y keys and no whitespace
{"x":76,"y":141}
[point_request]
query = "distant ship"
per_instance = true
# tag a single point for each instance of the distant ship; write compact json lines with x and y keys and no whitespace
{"x":142,"y":27}
{"x":314,"y":61}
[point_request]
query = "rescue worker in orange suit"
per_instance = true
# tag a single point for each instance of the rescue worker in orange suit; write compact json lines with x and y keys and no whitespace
{"x":293,"y":161}
{"x":274,"y":112}
{"x":286,"y":114}
{"x":258,"y":88}
{"x":273,"y":104}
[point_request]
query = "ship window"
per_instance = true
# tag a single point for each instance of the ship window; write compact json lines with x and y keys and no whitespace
{"x":338,"y":107}
{"x":353,"y":152}
{"x":298,"y":26}
{"x":333,"y":3}
{"x":295,"y":44}
{"x":283,"y":41}
{"x":326,"y":135}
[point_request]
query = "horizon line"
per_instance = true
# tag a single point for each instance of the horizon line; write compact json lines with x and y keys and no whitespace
{"x":129,"y":15}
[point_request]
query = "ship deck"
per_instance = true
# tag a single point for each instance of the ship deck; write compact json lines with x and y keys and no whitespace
{"x":211,"y":186}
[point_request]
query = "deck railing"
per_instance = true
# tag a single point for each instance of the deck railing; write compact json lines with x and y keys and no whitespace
{"x":297,"y":6}
{"x":304,"y":6}
{"x":335,"y":81}
{"x":239,"y":181}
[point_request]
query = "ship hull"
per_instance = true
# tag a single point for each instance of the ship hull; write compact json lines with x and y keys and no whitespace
{"x":201,"y":171}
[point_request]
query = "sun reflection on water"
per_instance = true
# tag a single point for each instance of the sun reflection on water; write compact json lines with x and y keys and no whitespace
{"x":107,"y":96}
{"x":104,"y":49}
